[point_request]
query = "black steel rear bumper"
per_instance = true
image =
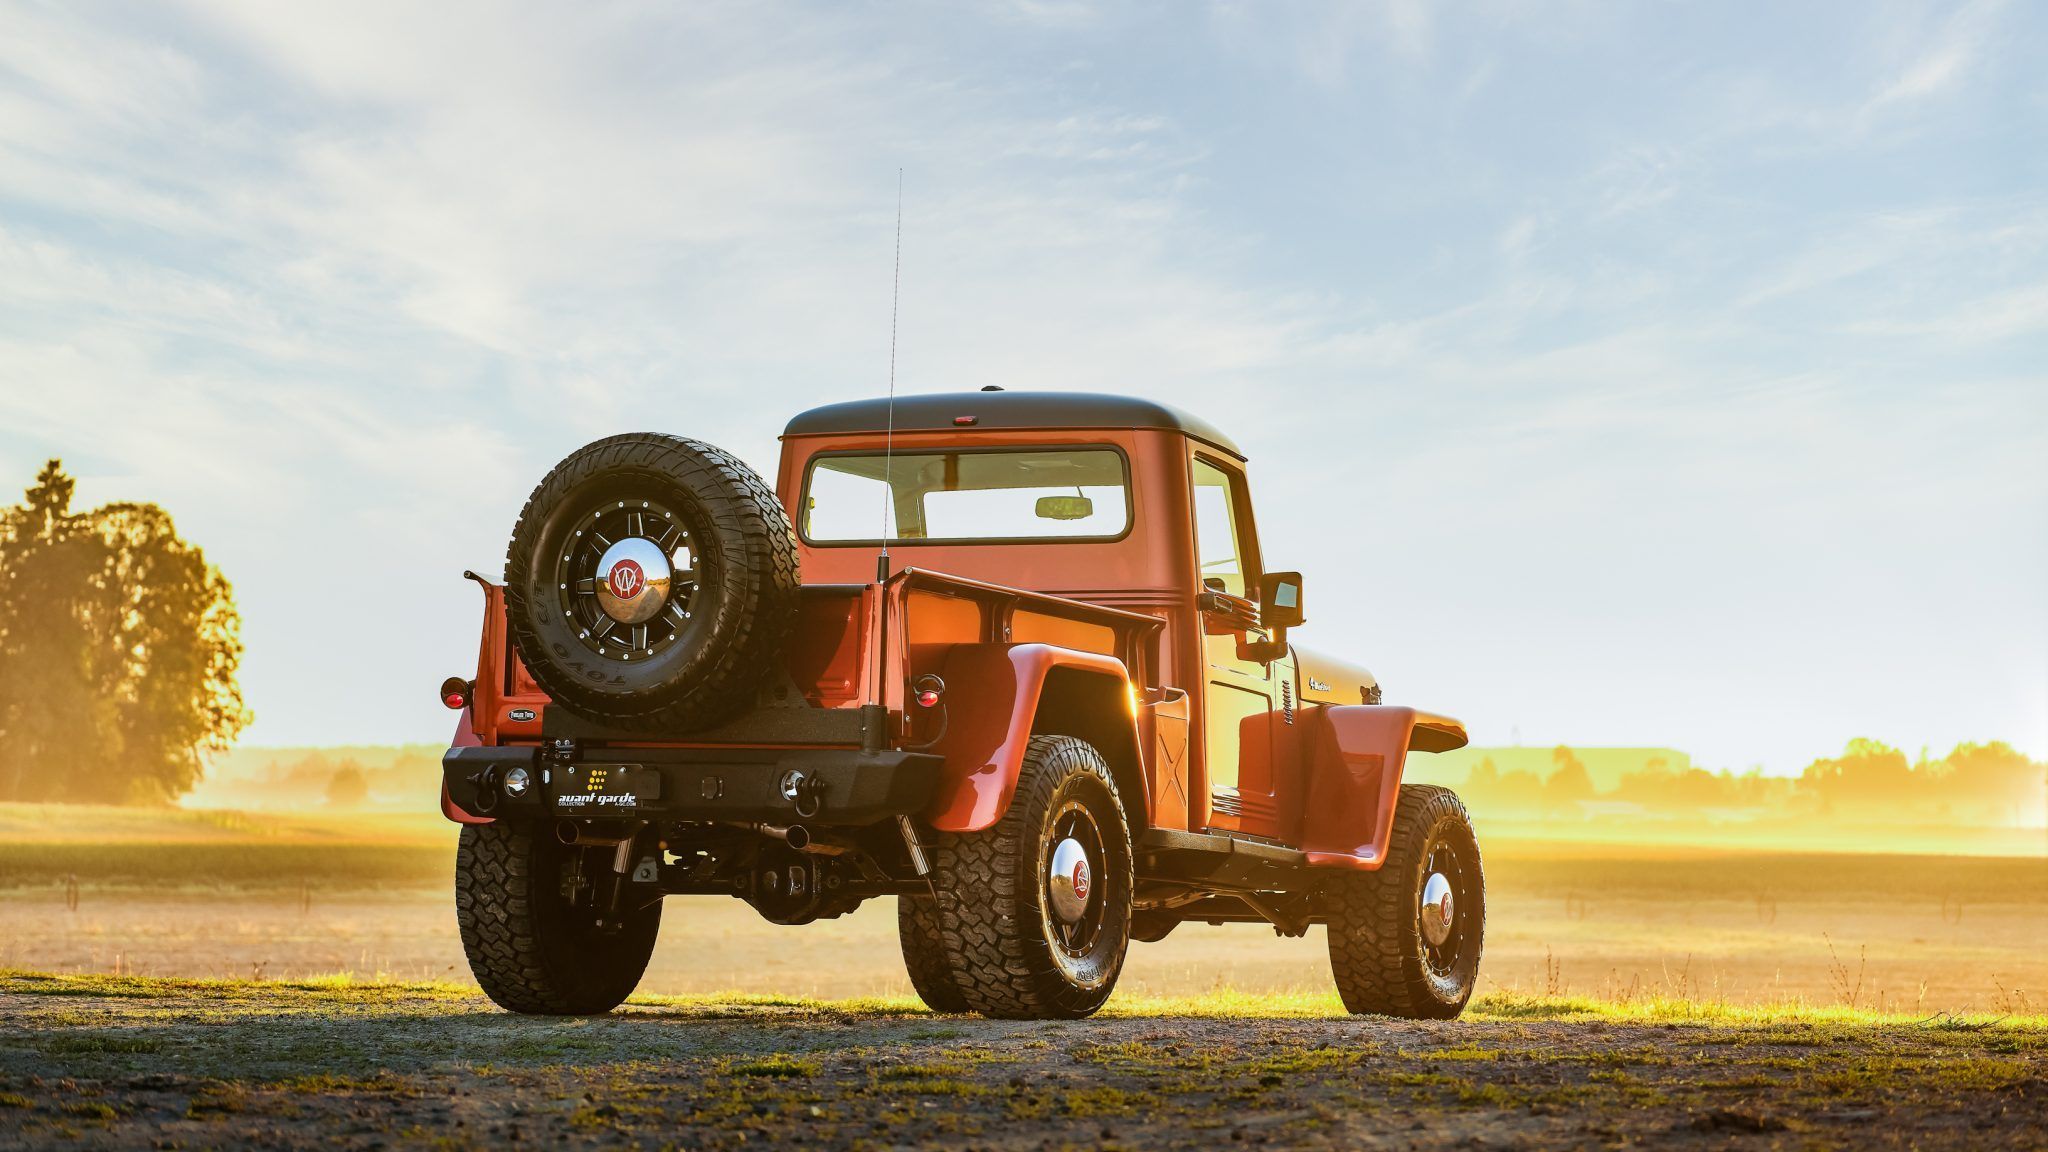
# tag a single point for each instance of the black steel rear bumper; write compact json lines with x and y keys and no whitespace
{"x":816,"y":787}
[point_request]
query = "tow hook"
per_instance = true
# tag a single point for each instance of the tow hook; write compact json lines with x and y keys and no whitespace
{"x":485,"y":781}
{"x":805,"y":790}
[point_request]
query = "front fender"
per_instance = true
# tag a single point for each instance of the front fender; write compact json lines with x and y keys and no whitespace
{"x":993,"y":692}
{"x":1356,"y":756}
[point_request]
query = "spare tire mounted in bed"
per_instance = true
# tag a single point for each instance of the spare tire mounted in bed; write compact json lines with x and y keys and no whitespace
{"x":651,"y":583}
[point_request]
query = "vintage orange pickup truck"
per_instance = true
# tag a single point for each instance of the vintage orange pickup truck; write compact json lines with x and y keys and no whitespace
{"x":1013,"y":658}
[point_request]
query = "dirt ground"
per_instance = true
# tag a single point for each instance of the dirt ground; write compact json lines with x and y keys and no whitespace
{"x":129,"y":1063}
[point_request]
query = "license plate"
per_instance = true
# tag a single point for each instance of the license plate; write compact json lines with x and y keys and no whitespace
{"x":607,"y":787}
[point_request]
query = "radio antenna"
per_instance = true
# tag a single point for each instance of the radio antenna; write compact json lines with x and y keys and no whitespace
{"x":889,"y":436}
{"x":875,"y":716}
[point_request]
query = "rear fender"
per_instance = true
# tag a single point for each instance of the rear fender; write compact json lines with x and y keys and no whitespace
{"x":998,"y":696}
{"x":1356,"y":754}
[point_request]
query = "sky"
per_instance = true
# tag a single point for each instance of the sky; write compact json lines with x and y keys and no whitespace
{"x":1617,"y":373}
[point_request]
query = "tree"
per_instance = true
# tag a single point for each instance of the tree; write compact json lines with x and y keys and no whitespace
{"x":1513,"y":791}
{"x":348,"y":787}
{"x":1569,"y":783}
{"x":1996,"y":785}
{"x":119,"y":647}
{"x":1868,"y":779}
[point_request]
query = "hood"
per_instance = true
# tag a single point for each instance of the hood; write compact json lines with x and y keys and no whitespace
{"x":1328,"y":680}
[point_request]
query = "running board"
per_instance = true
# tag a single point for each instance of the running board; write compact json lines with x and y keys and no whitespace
{"x":1214,"y":860}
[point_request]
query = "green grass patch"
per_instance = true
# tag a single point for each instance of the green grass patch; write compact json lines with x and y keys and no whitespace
{"x":897,"y":1072}
{"x":254,"y":866}
{"x":748,"y":1006}
{"x":317,"y":990}
{"x":1789,"y":1024}
{"x":1672,"y":1010}
{"x":1107,"y":1100}
{"x":777,"y":1067}
{"x":330,"y":1084}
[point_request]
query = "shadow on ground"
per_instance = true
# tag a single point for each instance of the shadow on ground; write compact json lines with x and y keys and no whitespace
{"x":130,"y":1063}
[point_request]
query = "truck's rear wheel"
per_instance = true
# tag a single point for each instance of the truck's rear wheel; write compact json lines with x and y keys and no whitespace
{"x":531,"y":946}
{"x":1405,"y":940}
{"x":924,"y":954}
{"x":1035,"y":911}
{"x":651,"y":582}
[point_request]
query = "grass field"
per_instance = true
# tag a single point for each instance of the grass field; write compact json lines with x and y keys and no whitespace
{"x":122,"y":1062}
{"x":223,"y":894}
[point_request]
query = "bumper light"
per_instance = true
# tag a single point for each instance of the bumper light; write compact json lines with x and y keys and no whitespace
{"x":517,"y":781}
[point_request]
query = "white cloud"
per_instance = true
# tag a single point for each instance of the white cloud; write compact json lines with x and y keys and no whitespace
{"x":1941,"y":62}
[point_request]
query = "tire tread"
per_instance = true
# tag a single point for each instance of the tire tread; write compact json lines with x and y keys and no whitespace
{"x":924,"y":954}
{"x":991,"y":949}
{"x":1372,"y":933}
{"x":504,"y":931}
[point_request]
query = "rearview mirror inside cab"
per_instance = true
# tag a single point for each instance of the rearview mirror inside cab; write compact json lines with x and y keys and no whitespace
{"x":1065,"y":507}
{"x":1280,"y":599}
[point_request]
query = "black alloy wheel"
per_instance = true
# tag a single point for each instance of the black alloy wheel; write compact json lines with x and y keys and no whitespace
{"x":651,"y":583}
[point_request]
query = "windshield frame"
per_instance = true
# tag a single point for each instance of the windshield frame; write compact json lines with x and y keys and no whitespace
{"x":811,"y":466}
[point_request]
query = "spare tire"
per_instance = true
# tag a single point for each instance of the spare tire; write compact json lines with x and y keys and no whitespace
{"x":651,"y":583}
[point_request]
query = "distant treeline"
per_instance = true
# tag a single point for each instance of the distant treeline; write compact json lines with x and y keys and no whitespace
{"x":341,"y":779}
{"x":1976,"y":785}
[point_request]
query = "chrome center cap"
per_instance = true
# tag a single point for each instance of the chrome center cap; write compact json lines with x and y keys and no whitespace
{"x":633,"y":580}
{"x":1436,"y":908}
{"x":1070,"y":881}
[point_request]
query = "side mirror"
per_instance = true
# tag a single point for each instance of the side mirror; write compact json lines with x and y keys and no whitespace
{"x":1280,"y":599}
{"x":1065,"y":508}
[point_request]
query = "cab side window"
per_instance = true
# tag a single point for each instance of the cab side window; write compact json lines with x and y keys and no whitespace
{"x":1216,"y":536}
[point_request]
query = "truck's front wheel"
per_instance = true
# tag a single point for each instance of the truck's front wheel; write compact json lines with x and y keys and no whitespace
{"x":529,"y":929}
{"x":1405,"y":940}
{"x":1035,"y":911}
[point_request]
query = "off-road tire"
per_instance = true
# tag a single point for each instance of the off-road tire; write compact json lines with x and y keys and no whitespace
{"x":1377,"y":950}
{"x":924,"y":954}
{"x":529,"y":949}
{"x":742,"y":607}
{"x":992,"y":902}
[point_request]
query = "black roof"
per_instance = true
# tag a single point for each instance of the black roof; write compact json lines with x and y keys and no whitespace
{"x":935,"y":411}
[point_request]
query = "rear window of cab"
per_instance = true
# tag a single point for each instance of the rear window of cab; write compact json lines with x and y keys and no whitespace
{"x":980,"y":495}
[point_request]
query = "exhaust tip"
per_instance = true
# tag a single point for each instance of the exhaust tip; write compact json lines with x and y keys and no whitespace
{"x":799,"y":837}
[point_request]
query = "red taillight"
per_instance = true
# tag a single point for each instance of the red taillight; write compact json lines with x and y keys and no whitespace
{"x":964,"y":421}
{"x":926,"y":690}
{"x":927,"y":699}
{"x":455,"y":693}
